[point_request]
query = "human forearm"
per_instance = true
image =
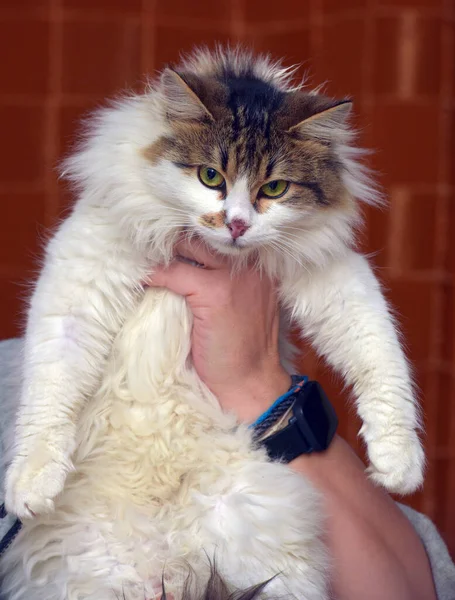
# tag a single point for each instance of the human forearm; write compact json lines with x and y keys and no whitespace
{"x":376,"y":553}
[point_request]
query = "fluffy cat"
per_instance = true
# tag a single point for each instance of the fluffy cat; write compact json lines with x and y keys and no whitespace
{"x":122,"y":456}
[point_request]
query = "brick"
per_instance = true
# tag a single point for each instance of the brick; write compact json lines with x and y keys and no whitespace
{"x":307,"y":360}
{"x":100,"y":58}
{"x":292,"y":48}
{"x":126,"y":6}
{"x":419,"y":235}
{"x":22,"y":130}
{"x":270,"y":11}
{"x":168,"y":52}
{"x":341,"y":398}
{"x":411,"y":3}
{"x":21,"y":230}
{"x":429,"y":56}
{"x":24,"y":48}
{"x":335,"y":6}
{"x":451,"y":149}
{"x":385,"y":51}
{"x":415,"y":501}
{"x":341,"y":58}
{"x":442,"y":468}
{"x":412,"y":303}
{"x":450,"y":260}
{"x":71,"y":118}
{"x":25,"y":5}
{"x":374,"y":237}
{"x":424,"y":381}
{"x":12,"y":303}
{"x":425,"y":53}
{"x":449,"y":525}
{"x":423,"y":378}
{"x":66,"y":198}
{"x":202,"y":10}
{"x":448,"y":334}
{"x":444,"y":403}
{"x":406,"y":138}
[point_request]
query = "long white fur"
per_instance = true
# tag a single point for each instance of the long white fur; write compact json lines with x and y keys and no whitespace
{"x":154,"y":470}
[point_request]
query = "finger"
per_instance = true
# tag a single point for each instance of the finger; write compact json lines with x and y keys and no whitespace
{"x":195,"y":249}
{"x":189,"y":261}
{"x":181,"y":278}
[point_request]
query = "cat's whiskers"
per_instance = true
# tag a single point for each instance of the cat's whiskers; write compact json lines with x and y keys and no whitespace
{"x":276,"y":245}
{"x":170,"y":226}
{"x":286,"y":250}
{"x":291,"y":247}
{"x":299,"y":239}
{"x":292,"y":228}
{"x":259,"y":262}
{"x":174,"y":209}
{"x":295,"y":240}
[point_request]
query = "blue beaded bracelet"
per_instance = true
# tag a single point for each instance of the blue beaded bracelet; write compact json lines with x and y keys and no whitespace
{"x":279,"y":407}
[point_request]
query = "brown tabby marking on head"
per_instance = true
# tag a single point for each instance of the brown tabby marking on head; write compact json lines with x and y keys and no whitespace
{"x":262,"y":205}
{"x":158,"y":150}
{"x":258,"y":131}
{"x":213,"y":220}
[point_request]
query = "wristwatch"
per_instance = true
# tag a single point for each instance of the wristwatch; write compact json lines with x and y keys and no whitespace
{"x":300,"y":422}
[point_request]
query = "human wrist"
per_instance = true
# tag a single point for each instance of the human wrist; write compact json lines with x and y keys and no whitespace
{"x":254,"y":394}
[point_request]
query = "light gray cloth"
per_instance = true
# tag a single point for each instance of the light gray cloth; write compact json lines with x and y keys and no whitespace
{"x":10,"y":377}
{"x":10,"y":360}
{"x":441,"y":564}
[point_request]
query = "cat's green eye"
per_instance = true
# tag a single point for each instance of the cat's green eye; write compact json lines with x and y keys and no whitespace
{"x":210,"y":177}
{"x":275,"y":189}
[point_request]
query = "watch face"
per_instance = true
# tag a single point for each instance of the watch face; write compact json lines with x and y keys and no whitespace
{"x":316,"y":416}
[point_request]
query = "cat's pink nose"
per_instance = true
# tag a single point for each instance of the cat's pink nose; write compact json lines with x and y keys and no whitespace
{"x":237,"y":227}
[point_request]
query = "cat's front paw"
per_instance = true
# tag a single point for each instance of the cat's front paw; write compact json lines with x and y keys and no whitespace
{"x":397,"y":462}
{"x":32,"y":485}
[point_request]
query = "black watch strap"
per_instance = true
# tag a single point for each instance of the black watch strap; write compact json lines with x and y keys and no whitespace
{"x":310,"y":428}
{"x":287,"y":444}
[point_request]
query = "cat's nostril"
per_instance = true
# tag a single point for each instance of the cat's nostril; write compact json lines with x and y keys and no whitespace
{"x":237,"y":227}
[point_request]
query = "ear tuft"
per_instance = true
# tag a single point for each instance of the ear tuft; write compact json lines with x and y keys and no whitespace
{"x":328,"y":123}
{"x":181,"y":101}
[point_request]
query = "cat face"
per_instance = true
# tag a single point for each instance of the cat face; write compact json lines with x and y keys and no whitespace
{"x":246,"y":164}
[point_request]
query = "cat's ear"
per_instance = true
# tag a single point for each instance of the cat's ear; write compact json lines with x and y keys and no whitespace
{"x":181,"y":98}
{"x":328,"y":122}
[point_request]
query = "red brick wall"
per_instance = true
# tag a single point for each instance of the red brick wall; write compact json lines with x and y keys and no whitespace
{"x":60,"y":58}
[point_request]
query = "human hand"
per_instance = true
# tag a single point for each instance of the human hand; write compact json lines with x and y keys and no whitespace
{"x":235,"y":352}
{"x":235,"y":331}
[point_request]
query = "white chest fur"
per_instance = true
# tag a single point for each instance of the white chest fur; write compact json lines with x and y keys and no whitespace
{"x":161,"y":478}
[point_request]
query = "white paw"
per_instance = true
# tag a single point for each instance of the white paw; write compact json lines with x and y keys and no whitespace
{"x":397,"y":462}
{"x":31,"y":486}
